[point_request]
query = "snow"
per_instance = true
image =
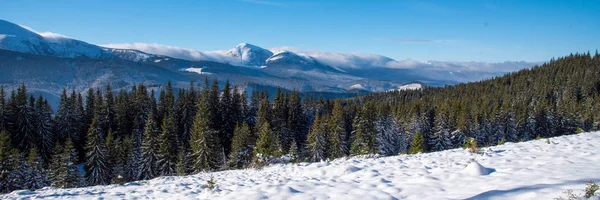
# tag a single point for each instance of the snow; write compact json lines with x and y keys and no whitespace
{"x":476,"y":169}
{"x":412,"y":86}
{"x":528,"y":170}
{"x":195,"y":70}
{"x":357,"y":86}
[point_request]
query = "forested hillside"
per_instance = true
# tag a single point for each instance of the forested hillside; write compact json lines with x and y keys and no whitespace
{"x":130,"y":135}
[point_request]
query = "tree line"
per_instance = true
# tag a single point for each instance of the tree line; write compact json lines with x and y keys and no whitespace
{"x":131,"y":135}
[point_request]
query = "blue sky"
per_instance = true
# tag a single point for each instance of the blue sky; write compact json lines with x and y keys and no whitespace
{"x":463,"y":30}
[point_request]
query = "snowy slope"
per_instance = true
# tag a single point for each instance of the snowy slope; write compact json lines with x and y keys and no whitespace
{"x":529,"y":170}
{"x":249,"y":55}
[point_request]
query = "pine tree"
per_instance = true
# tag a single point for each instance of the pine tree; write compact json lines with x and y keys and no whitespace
{"x":167,"y":154}
{"x":457,"y":138}
{"x":364,"y":141}
{"x":5,"y":165}
{"x":317,"y":141}
{"x":388,"y":135}
{"x":98,"y":171}
{"x":116,"y":156}
{"x":294,"y":154}
{"x":337,"y":133}
{"x":63,"y":118}
{"x":204,"y":142}
{"x":228,"y":118}
{"x":132,"y":145}
{"x":418,"y":144}
{"x":64,"y":172}
{"x":3,"y":111}
{"x":21,"y":121}
{"x":440,"y":139}
{"x":296,"y":121}
{"x":17,"y":173}
{"x":265,"y":149}
{"x":511,"y":128}
{"x":43,"y":128}
{"x":36,"y":176}
{"x":148,"y":166}
{"x":279,"y":119}
{"x":241,"y":148}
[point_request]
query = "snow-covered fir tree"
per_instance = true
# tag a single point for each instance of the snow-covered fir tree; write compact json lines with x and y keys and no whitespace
{"x":337,"y":133}
{"x":265,"y":148}
{"x":440,"y":139}
{"x":388,"y":135}
{"x":37,"y":176}
{"x":457,"y":138}
{"x":63,"y":171}
{"x":317,"y":141}
{"x":148,"y":165}
{"x":241,"y":147}
{"x":97,"y":166}
{"x":364,"y":133}
{"x":167,"y":152}
{"x":204,"y":142}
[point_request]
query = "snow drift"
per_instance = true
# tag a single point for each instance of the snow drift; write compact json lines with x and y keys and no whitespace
{"x":528,"y":170}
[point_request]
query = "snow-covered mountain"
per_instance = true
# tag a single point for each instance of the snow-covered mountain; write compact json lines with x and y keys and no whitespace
{"x":14,"y":37}
{"x":245,"y":64}
{"x":526,"y":170}
{"x":249,"y":55}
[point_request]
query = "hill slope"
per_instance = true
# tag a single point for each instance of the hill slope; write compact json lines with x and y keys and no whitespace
{"x":525,"y":170}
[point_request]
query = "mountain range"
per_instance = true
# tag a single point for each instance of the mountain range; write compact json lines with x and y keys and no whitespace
{"x":49,"y":62}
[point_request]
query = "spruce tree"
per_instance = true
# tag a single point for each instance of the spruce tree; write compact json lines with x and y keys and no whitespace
{"x":241,"y":147}
{"x":388,"y":135}
{"x":3,"y":110}
{"x":148,"y":165}
{"x":317,"y":141}
{"x":265,"y":148}
{"x":43,"y":128}
{"x":294,"y":153}
{"x":36,"y":176}
{"x":364,"y":141}
{"x":418,"y":144}
{"x":5,"y":165}
{"x":204,"y":142}
{"x":228,"y":117}
{"x":440,"y":139}
{"x":98,"y":171}
{"x":64,"y":172}
{"x":167,"y":154}
{"x":337,"y":133}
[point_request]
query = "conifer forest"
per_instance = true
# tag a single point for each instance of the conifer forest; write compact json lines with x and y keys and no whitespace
{"x":102,"y":136}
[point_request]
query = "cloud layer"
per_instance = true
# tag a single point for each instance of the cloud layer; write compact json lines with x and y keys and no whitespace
{"x":337,"y":60}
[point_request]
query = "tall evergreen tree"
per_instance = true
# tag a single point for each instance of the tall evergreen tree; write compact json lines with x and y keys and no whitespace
{"x":241,"y":147}
{"x":43,"y":128}
{"x":418,"y":144}
{"x":364,"y":141}
{"x":167,"y":152}
{"x":265,"y":149}
{"x":388,"y":135}
{"x":337,"y":133}
{"x":317,"y":142}
{"x":204,"y":142}
{"x":148,"y":166}
{"x":63,"y":171}
{"x":98,"y":170}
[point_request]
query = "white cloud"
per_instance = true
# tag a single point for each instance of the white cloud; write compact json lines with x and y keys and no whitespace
{"x":47,"y":34}
{"x":177,"y":52}
{"x":351,"y":60}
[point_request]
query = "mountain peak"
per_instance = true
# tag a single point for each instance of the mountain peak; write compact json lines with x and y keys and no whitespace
{"x":15,"y":30}
{"x":249,"y":54}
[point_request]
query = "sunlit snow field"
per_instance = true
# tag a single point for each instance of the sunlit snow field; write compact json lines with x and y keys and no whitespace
{"x":528,"y":170}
